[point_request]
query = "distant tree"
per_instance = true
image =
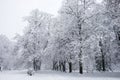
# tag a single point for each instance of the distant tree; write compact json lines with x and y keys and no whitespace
{"x":6,"y":48}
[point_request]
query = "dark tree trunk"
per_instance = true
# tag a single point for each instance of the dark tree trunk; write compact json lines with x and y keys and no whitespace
{"x":34,"y":64}
{"x":80,"y":61}
{"x":80,"y":67}
{"x":60,"y":67}
{"x":103,"y":61}
{"x":53,"y":65}
{"x":0,"y":68}
{"x":102,"y":55}
{"x":39,"y":66}
{"x":57,"y":67}
{"x":70,"y":67}
{"x":64,"y":66}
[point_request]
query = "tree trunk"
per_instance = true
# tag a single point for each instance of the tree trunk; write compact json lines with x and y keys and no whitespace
{"x":34,"y":64}
{"x":0,"y":68}
{"x":103,"y":61}
{"x":70,"y":67}
{"x":102,"y":55}
{"x":80,"y":67}
{"x":64,"y":66}
{"x":39,"y":66}
{"x":60,"y":67}
{"x":80,"y":62}
{"x":53,"y":65}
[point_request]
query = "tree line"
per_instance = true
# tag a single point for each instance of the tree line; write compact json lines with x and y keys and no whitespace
{"x":84,"y":36}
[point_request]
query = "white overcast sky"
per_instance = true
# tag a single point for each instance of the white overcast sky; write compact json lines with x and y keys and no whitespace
{"x":13,"y":11}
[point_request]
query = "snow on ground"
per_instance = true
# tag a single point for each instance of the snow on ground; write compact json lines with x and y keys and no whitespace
{"x":52,"y":75}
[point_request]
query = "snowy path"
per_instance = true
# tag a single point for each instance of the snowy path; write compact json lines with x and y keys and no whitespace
{"x":51,"y":75}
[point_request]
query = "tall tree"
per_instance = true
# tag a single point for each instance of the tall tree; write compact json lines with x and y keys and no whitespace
{"x":34,"y":41}
{"x":76,"y":14}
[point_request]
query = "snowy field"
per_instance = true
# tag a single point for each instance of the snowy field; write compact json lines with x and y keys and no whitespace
{"x":52,"y":75}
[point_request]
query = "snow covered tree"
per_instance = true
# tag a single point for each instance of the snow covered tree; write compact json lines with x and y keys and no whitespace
{"x":75,"y":14}
{"x":105,"y":36}
{"x":113,"y":13}
{"x":6,"y":49}
{"x":82,"y":36}
{"x":34,"y":41}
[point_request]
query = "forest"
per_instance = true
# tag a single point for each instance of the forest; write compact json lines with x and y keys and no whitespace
{"x":84,"y":37}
